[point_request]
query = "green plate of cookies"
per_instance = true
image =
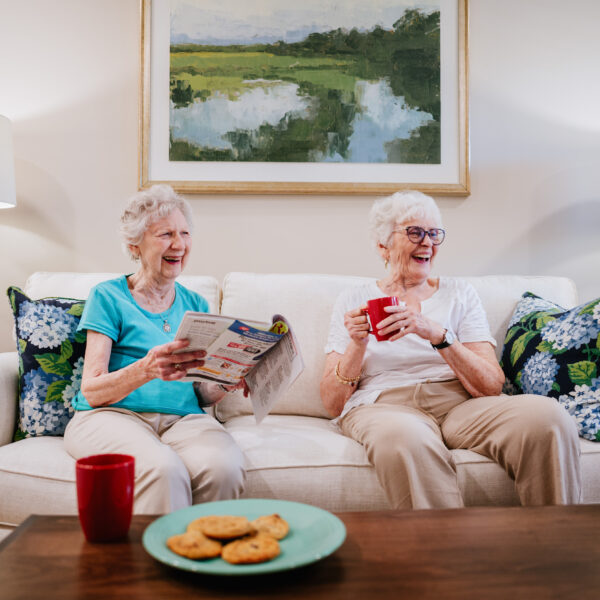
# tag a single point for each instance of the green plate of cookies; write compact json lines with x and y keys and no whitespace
{"x":255,"y":536}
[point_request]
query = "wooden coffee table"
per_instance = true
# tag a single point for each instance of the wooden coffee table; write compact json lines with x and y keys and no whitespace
{"x":483,"y":553}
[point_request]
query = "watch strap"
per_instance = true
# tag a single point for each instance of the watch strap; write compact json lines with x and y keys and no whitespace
{"x":447,"y":340}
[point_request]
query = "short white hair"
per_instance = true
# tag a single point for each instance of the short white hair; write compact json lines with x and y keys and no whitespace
{"x":389,"y":212}
{"x":147,"y":206}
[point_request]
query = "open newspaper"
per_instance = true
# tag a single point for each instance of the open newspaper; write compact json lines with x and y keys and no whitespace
{"x":266,"y":354}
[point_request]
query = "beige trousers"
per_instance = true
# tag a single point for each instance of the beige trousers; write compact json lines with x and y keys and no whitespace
{"x":178,"y":460}
{"x":408,"y":432}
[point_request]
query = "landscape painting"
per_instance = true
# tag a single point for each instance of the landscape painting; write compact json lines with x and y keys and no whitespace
{"x":265,"y":81}
{"x":311,"y":97}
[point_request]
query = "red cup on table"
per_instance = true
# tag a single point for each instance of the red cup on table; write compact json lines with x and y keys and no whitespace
{"x":105,"y":484}
{"x":376,"y":313}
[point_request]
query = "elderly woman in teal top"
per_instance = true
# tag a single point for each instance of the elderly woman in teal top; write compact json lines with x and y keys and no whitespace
{"x":131,"y":400}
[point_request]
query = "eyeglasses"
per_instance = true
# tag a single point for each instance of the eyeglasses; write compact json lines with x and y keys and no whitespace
{"x":417,"y":234}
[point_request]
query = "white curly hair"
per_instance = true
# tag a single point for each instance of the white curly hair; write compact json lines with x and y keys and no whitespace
{"x":389,"y":212}
{"x":147,"y":206}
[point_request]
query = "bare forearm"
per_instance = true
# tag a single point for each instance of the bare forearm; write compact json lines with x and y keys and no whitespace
{"x":480,"y":375}
{"x":104,"y":389}
{"x":334,"y":393}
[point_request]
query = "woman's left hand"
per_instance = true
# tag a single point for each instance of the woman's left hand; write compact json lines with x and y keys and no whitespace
{"x":404,"y":320}
{"x":241,"y":385}
{"x":209,"y":393}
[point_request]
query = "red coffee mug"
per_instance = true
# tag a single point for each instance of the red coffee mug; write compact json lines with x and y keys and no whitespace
{"x":105,"y":485}
{"x":375,"y":311}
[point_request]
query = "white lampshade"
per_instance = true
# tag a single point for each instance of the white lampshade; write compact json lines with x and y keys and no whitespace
{"x":8,"y":191}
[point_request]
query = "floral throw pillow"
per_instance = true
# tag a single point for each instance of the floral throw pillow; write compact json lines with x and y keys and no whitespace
{"x":556,"y":352}
{"x":50,"y":361}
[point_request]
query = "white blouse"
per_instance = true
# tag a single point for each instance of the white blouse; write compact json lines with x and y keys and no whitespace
{"x":411,"y":359}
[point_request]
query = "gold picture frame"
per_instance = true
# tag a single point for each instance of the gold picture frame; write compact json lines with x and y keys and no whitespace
{"x":450,"y":177}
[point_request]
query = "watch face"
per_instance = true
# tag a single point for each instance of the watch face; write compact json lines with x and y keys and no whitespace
{"x":449,"y":338}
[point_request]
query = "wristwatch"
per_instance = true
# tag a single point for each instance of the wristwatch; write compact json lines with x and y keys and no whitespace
{"x":448,"y":339}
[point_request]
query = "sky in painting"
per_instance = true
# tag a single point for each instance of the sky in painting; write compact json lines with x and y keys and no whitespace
{"x":266,"y":21}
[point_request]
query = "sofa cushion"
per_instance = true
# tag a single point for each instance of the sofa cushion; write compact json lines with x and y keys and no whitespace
{"x":285,"y":452}
{"x":50,"y":361}
{"x":37,"y":476}
{"x":556,"y":352}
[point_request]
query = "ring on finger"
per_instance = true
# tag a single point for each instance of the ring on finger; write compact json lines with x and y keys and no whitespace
{"x":177,"y":366}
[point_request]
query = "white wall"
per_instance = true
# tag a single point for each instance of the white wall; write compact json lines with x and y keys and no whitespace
{"x":69,"y":83}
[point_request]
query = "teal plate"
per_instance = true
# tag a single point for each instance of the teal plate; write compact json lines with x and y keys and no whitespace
{"x":314,"y":534}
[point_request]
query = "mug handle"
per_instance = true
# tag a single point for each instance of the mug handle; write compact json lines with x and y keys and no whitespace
{"x":366,"y":311}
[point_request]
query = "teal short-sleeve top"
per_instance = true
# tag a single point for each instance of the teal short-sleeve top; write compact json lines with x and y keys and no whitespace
{"x":112,"y":311}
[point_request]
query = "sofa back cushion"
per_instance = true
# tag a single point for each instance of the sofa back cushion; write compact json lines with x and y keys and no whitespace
{"x":307,"y":301}
{"x":78,"y":285}
{"x":500,"y":294}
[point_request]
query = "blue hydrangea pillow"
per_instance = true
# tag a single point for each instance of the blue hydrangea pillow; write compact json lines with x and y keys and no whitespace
{"x":556,"y":352}
{"x":50,"y":361}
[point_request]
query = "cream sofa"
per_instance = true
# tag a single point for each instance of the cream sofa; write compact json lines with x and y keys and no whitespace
{"x":295,"y":453}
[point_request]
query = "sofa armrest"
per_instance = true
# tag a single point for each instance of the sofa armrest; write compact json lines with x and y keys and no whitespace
{"x":9,"y":376}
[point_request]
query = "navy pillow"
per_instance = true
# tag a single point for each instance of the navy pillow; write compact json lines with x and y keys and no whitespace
{"x":50,"y":361}
{"x":556,"y":352}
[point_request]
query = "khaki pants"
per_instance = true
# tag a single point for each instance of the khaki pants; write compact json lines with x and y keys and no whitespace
{"x":178,"y":460}
{"x":408,"y":432}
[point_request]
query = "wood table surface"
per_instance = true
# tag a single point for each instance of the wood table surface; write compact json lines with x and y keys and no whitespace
{"x":483,"y":553}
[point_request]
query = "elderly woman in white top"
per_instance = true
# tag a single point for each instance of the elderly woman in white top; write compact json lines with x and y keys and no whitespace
{"x":436,"y":385}
{"x":131,"y":399}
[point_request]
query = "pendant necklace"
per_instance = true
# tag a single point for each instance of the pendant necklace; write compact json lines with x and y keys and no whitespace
{"x":166,"y":326}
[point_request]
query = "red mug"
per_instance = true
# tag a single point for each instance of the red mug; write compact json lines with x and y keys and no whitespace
{"x":105,"y":484}
{"x":375,"y":311}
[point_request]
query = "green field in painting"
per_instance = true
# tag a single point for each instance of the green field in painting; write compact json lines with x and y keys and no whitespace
{"x":231,"y":72}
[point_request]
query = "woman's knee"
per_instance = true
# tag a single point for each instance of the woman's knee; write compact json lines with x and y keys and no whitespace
{"x":162,"y":483}
{"x":225,"y":467}
{"x":542,"y":415}
{"x":161,"y":464}
{"x":217,"y":471}
{"x":413,"y":437}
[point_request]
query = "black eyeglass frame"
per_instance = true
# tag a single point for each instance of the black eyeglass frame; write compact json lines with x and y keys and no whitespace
{"x":414,"y":230}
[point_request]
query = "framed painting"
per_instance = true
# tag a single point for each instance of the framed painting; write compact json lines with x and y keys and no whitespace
{"x":311,"y":97}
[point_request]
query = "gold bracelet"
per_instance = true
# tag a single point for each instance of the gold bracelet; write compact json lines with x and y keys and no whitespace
{"x":346,"y":380}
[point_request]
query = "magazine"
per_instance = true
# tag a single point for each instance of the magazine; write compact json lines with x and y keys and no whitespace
{"x":267,"y":355}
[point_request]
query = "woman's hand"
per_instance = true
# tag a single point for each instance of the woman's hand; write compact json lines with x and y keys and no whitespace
{"x":209,"y":393}
{"x":240,"y":385}
{"x":162,"y":362}
{"x":356,"y":323}
{"x":404,"y":320}
{"x":222,"y":389}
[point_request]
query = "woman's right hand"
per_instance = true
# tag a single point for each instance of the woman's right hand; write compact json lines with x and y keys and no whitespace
{"x":356,"y":323}
{"x":162,"y":362}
